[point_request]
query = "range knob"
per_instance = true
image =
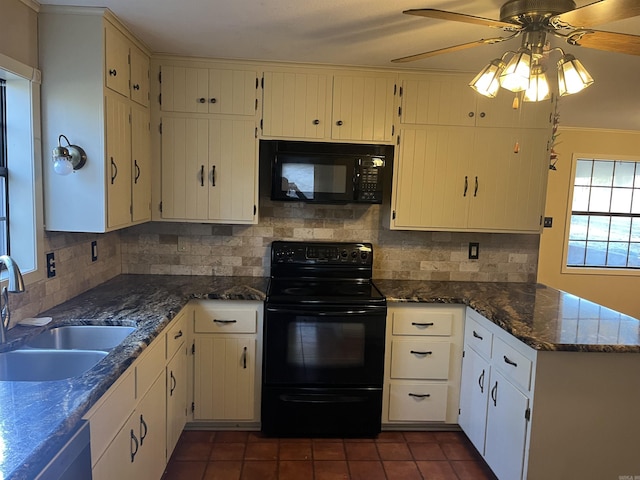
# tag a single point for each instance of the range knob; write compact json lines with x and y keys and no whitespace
{"x":344,"y":254}
{"x":354,"y":254}
{"x":364,"y":255}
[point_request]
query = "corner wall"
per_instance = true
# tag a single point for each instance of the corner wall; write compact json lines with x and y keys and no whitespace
{"x":619,"y":292}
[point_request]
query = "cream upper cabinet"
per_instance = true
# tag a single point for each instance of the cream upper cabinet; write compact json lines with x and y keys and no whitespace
{"x":296,"y":105}
{"x":465,"y":178}
{"x":98,"y":111}
{"x":320,"y":105}
{"x":225,"y":91}
{"x":441,"y":99}
{"x":209,"y":169}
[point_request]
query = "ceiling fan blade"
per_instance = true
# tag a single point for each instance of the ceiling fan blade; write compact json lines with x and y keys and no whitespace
{"x":598,"y":13}
{"x":459,"y":17}
{"x":455,"y":48}
{"x":607,"y":41}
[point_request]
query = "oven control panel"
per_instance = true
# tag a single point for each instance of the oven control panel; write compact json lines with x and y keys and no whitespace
{"x":306,"y":253}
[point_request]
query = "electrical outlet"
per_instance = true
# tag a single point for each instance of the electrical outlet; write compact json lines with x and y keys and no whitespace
{"x":548,"y":222}
{"x":474,"y":250}
{"x":51,"y":265}
{"x":94,"y":251}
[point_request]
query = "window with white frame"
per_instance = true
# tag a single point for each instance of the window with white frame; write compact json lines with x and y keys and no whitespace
{"x":21,"y":218}
{"x":604,"y":230}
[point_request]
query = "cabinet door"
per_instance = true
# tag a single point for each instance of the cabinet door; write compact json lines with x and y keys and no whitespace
{"x":506,"y":428}
{"x":184,"y":89}
{"x":116,"y":60}
{"x":185,"y":164}
{"x":474,"y":390}
{"x":118,"y":156}
{"x":437,"y":100}
{"x":233,"y":160}
{"x":362,"y":108}
{"x":508,"y":188}
{"x":224,"y":378}
{"x":141,"y":156}
{"x":296,"y":105}
{"x":233,"y":92}
{"x":119,"y":460}
{"x":500,"y":111}
{"x":139,"y":76}
{"x":176,"y":397}
{"x":431,"y":178}
{"x":152,"y":430}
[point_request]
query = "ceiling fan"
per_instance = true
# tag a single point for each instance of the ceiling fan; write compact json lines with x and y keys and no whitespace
{"x":534,"y":20}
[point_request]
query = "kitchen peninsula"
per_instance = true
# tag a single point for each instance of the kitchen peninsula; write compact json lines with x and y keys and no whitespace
{"x":556,"y":325}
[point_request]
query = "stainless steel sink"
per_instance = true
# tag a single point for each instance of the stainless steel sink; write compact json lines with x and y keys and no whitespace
{"x":45,"y":365}
{"x":81,"y":337}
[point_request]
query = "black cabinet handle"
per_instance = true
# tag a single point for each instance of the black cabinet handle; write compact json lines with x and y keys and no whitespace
{"x":113,"y":72}
{"x":475,"y":334}
{"x":475,"y":192}
{"x":133,"y":442}
{"x":420,"y":395}
{"x":508,"y":361}
{"x":316,"y":122}
{"x":136,"y":86}
{"x":471,"y":114}
{"x":137,"y":176}
{"x":177,"y":335}
{"x":494,"y":394}
{"x":212,"y":100}
{"x":244,"y":357}
{"x":481,"y":381}
{"x":114,"y":171}
{"x":415,"y":352}
{"x":466,"y":186}
{"x":482,"y":114}
{"x":202,"y":175}
{"x":416,"y":324}
{"x":339,"y":123}
{"x":173,"y":383}
{"x":213,"y":176}
{"x":143,"y":425}
{"x":224,"y":321}
{"x":202,"y":100}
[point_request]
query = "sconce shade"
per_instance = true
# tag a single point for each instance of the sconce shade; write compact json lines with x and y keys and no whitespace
{"x":487,"y":82}
{"x":67,"y":159}
{"x":538,"y":86}
{"x":515,"y":76}
{"x":572,"y":76}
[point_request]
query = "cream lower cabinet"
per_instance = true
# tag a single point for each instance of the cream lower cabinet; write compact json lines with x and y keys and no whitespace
{"x":227,"y":361}
{"x":176,"y":377}
{"x":422,"y":366}
{"x":209,"y":169}
{"x":470,"y":179}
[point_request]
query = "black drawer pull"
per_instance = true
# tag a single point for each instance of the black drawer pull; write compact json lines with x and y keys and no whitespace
{"x":244,"y":357}
{"x":477,"y":336}
{"x":415,"y":352}
{"x":202,"y":100}
{"x":420,"y":395}
{"x":177,"y":335}
{"x":481,"y":381}
{"x":416,"y":324}
{"x":113,"y":72}
{"x":508,"y":361}
{"x":224,"y":321}
{"x":136,"y":86}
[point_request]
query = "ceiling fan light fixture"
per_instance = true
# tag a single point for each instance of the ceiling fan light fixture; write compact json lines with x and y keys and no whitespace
{"x":538,"y":86}
{"x":516,"y":75}
{"x":572,"y":76}
{"x":487,"y":82}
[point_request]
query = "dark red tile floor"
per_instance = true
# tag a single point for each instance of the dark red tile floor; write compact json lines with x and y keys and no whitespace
{"x":224,"y":455}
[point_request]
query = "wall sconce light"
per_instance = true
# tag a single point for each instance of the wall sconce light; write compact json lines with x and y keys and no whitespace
{"x":69,"y":158}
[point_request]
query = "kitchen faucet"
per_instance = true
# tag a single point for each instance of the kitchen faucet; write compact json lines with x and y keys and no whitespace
{"x":15,"y":285}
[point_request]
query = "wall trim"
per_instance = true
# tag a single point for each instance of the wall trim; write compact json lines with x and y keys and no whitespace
{"x":32,"y":4}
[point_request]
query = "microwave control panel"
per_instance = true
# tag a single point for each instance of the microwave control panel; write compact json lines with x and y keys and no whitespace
{"x":369,"y":183}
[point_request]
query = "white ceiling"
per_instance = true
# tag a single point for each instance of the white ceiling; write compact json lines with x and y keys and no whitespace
{"x":370,"y":33}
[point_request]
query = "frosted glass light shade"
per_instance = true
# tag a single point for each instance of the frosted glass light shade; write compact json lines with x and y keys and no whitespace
{"x":538,"y":87}
{"x":487,"y":82}
{"x":572,"y":76}
{"x":515,"y":76}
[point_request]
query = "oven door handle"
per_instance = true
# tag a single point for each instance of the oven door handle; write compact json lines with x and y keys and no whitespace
{"x":320,"y":311}
{"x":320,"y":398}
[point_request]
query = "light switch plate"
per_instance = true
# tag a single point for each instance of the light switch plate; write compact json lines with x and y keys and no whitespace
{"x":94,"y":251}
{"x":474,"y":250}
{"x":51,"y":265}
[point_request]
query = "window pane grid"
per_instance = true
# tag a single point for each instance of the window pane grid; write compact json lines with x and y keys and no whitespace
{"x":605,"y":221}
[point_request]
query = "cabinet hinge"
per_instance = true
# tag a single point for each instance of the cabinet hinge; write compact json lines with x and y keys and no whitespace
{"x":129,"y":59}
{"x":160,"y":99}
{"x":261,"y":127}
{"x":393,"y":130}
{"x":527,"y":414}
{"x":393,"y":215}
{"x":262,"y":82}
{"x":400,"y":91}
{"x":256,"y":107}
{"x":160,"y":206}
{"x":540,"y":220}
{"x":160,"y":128}
{"x":256,"y":134}
{"x":462,"y":353}
{"x":130,"y":209}
{"x":257,"y":83}
{"x":255,"y":209}
{"x":399,"y":111}
{"x":160,"y":76}
{"x":395,"y":88}
{"x":398,"y":140}
{"x":193,"y":348}
{"x":193,"y":407}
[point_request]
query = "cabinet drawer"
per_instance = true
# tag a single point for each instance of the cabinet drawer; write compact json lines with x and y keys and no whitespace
{"x":213,"y":319}
{"x":512,"y":363}
{"x":176,"y":336}
{"x":422,"y":322}
{"x":421,"y":403}
{"x":150,"y":365}
{"x":420,"y":359}
{"x":478,"y":337}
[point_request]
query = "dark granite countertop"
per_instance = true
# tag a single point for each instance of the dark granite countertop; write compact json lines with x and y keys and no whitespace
{"x":36,"y":418}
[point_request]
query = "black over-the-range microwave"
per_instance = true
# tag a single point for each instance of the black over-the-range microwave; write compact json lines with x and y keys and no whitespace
{"x":320,"y":172}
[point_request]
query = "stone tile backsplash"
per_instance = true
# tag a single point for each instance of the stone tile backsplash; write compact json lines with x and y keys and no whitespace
{"x":206,"y":249}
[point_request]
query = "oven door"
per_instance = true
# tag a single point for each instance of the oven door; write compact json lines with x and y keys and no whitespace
{"x":324,"y":346}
